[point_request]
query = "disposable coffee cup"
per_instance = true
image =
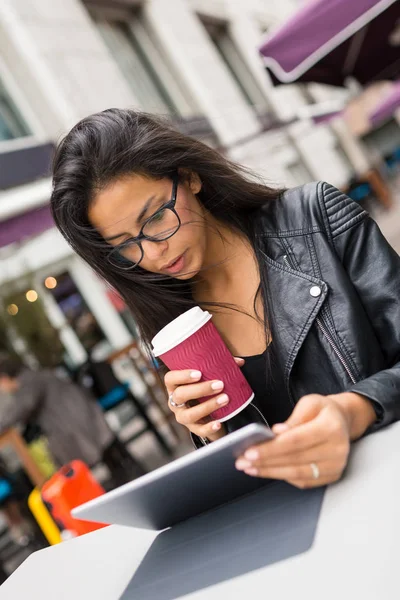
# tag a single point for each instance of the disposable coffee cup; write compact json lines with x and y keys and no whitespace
{"x":191,"y":341}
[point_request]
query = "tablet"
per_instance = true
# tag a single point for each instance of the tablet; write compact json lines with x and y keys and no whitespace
{"x":182,"y":489}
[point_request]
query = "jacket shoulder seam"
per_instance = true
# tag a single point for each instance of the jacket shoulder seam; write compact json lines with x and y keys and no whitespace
{"x":352,"y":226}
{"x":290,"y":232}
{"x":339,"y":212}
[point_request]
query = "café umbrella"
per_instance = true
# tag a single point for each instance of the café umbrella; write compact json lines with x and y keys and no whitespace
{"x":387,"y":107}
{"x":328,"y":41}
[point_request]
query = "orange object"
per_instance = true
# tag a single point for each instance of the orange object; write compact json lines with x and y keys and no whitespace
{"x":71,"y":486}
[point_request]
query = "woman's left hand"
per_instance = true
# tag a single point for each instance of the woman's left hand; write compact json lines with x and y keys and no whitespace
{"x":312,"y":447}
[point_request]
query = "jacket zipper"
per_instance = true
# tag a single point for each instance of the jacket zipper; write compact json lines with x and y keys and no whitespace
{"x":328,"y":336}
{"x":335,"y":349}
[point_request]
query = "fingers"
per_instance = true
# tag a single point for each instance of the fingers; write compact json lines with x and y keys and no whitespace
{"x":306,"y":409}
{"x":303,"y":484}
{"x":175,"y":378}
{"x":184,"y":387}
{"x":180,"y":385}
{"x":301,"y":474}
{"x":211,"y":431}
{"x":327,"y":428}
{"x":200,"y":411}
{"x":269,"y":454}
{"x":299,"y":458}
{"x":320,"y":436}
{"x":286,"y":446}
{"x":239,"y":361}
{"x":185,"y":393}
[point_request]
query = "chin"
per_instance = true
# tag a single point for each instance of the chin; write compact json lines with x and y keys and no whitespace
{"x":186,"y":276}
{"x":191,"y":270}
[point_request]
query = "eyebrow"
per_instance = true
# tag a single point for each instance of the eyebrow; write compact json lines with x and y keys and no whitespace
{"x":138,"y":220}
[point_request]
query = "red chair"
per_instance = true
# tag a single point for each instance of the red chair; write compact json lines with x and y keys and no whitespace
{"x":71,"y":486}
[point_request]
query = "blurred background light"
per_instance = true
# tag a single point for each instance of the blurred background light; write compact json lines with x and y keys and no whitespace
{"x":50,"y":283}
{"x":31,"y":296}
{"x":12,"y":309}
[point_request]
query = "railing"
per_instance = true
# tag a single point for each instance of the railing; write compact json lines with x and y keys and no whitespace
{"x":153,"y":387}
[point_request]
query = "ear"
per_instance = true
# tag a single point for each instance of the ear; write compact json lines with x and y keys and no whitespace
{"x":194,"y":183}
{"x":193,"y":180}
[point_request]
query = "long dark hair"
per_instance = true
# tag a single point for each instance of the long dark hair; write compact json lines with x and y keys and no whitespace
{"x":114,"y":143}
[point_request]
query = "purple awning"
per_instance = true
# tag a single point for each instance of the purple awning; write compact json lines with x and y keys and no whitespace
{"x":329,"y":40}
{"x":25,"y":225}
{"x":385,"y":109}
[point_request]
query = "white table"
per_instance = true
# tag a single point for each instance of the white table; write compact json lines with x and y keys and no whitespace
{"x":355,"y":554}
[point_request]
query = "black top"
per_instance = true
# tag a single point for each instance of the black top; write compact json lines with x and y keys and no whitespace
{"x":271,"y":399}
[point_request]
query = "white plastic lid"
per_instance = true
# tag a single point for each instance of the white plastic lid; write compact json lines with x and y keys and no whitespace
{"x":179,"y":330}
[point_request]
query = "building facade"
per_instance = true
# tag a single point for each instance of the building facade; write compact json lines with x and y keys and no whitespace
{"x":195,"y":61}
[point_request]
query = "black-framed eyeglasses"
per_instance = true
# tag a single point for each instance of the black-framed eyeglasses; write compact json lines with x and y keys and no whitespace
{"x":162,"y":225}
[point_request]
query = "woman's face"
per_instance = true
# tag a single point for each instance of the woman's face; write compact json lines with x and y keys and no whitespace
{"x":119,"y":211}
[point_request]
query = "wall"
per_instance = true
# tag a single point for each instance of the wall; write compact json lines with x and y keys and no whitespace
{"x":60,"y":62}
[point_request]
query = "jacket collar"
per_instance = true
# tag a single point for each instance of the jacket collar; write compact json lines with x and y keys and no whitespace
{"x":295,"y":299}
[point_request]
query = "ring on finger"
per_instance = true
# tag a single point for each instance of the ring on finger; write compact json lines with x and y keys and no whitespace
{"x":315,"y":470}
{"x":174,"y":404}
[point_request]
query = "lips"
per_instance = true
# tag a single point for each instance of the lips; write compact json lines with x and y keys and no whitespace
{"x":176,"y":265}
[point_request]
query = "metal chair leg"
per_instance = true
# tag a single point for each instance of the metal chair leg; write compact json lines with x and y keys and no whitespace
{"x":143,"y":413}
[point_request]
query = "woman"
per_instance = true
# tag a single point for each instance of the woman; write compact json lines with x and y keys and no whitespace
{"x":301,"y":284}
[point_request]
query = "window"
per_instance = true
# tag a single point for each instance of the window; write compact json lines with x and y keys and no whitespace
{"x":11,"y":123}
{"x":76,"y":311}
{"x":246,"y":82}
{"x":144,"y":65}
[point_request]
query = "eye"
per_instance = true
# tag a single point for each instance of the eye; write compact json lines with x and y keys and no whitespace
{"x":120,"y":248}
{"x":158,"y":217}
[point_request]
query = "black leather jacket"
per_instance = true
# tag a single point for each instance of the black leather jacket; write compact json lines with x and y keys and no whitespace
{"x":334,"y":284}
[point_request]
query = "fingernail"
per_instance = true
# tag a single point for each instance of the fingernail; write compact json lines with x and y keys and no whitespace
{"x":280,"y":428}
{"x":223,"y":399}
{"x":215,"y":426}
{"x":217,"y":385}
{"x":195,"y":374}
{"x":252,"y":454}
{"x":242,"y":464}
{"x":251,"y":471}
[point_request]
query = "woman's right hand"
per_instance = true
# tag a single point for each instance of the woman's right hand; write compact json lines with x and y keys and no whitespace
{"x":183,"y":387}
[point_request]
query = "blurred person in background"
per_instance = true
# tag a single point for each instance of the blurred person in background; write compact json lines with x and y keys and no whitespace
{"x":301,"y":284}
{"x":69,"y":417}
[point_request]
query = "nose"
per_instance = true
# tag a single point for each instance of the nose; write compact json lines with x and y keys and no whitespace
{"x":153,"y":251}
